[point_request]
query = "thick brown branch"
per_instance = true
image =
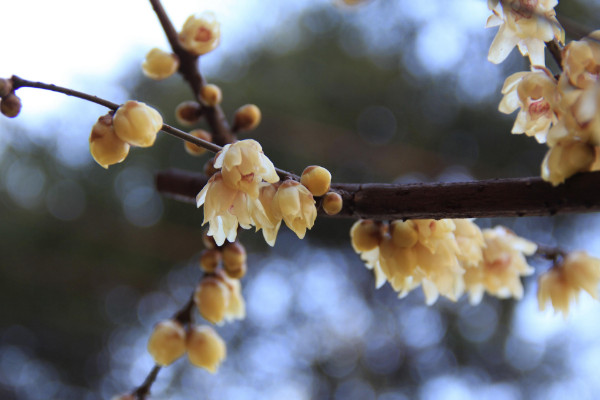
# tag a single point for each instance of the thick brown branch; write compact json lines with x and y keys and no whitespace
{"x":478,"y":199}
{"x":188,"y":68}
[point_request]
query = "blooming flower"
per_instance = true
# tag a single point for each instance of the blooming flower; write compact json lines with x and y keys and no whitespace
{"x":244,"y":166}
{"x":502,"y":266}
{"x":200,"y":34}
{"x":532,"y":93}
{"x":563,"y":283}
{"x":263,"y":214}
{"x":523,"y":23}
{"x":296,"y":205}
{"x":581,"y":61}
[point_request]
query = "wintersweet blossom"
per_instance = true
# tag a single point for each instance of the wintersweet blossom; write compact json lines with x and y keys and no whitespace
{"x":562,"y":284}
{"x":205,"y":348}
{"x":224,"y":208}
{"x":565,"y":159}
{"x":502,"y":266}
{"x":137,"y":124}
{"x":160,"y":64}
{"x":523,"y":23}
{"x":532,"y":92}
{"x":296,"y":206}
{"x":200,"y":33}
{"x":244,"y":166}
{"x":581,"y":61}
{"x":263,"y":214}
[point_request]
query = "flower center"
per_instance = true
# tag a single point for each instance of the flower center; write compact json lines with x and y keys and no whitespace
{"x":203,"y":34}
{"x":248,"y":177}
{"x":538,"y":107}
{"x":524,"y":8}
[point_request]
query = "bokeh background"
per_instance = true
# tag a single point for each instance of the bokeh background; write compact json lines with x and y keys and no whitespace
{"x":390,"y":91}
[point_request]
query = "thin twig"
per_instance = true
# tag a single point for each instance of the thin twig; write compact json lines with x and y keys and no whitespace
{"x":188,"y":68}
{"x":478,"y":199}
{"x":143,"y":390}
{"x":554,"y":254}
{"x":555,"y":48}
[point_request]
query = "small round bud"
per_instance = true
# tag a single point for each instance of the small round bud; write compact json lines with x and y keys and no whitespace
{"x":234,"y":260}
{"x":246,"y":118}
{"x":5,"y":87}
{"x":210,"y":259}
{"x":167,"y":342}
{"x":137,"y":124}
{"x":209,"y":168}
{"x":105,"y":146}
{"x":404,"y":233}
{"x":193,"y":149}
{"x":206,"y":349}
{"x":200,"y":34}
{"x":10,"y":105}
{"x":316,"y":179}
{"x":211,"y":94}
{"x":160,"y":64}
{"x":212,"y":299}
{"x":366,"y":235}
{"x":188,"y":113}
{"x":332,"y":203}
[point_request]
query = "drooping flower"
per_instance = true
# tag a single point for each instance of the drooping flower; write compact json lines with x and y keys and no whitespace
{"x":244,"y":166}
{"x":296,"y":206}
{"x":205,"y":348}
{"x":566,"y":158}
{"x":470,"y":242}
{"x":105,"y":146}
{"x":523,"y":23}
{"x":581,"y":61}
{"x":562,"y":284}
{"x":167,"y":342}
{"x":502,"y":266}
{"x":224,"y":208}
{"x":200,"y":33}
{"x":533,"y":93}
{"x":263,"y":213}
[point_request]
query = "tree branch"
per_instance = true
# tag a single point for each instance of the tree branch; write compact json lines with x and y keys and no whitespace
{"x":188,"y":68}
{"x":478,"y":199}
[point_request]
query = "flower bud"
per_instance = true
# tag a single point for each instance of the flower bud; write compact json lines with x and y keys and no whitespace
{"x":137,"y":124}
{"x":366,"y":235}
{"x":234,"y":260}
{"x":205,"y":348}
{"x":188,"y":113}
{"x":212,"y":298}
{"x":211,"y":94}
{"x":105,"y":146}
{"x":200,"y":34}
{"x":5,"y":87}
{"x":210,"y":259}
{"x":194,"y":149}
{"x":332,"y":203}
{"x":404,"y":233}
{"x":10,"y":105}
{"x":160,"y":64}
{"x":167,"y":342}
{"x":316,"y":179}
{"x":209,"y":168}
{"x":246,"y":118}
{"x":565,"y":159}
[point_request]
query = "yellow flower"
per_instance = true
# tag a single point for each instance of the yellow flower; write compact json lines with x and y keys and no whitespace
{"x":263,"y":214}
{"x":105,"y":146}
{"x":224,"y":209}
{"x":137,"y":124}
{"x":523,"y":23}
{"x":244,"y":165}
{"x":205,"y":348}
{"x":565,"y":159}
{"x":296,"y":205}
{"x":502,"y":266}
{"x":532,"y":92}
{"x":159,"y":64}
{"x":563,"y":283}
{"x":200,"y":34}
{"x":581,"y":61}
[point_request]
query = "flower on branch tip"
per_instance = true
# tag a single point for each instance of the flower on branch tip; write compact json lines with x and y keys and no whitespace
{"x":244,"y":165}
{"x":200,"y":33}
{"x":160,"y":64}
{"x":533,"y":93}
{"x":105,"y":146}
{"x":564,"y":281}
{"x":205,"y":348}
{"x":137,"y":124}
{"x":523,"y":23}
{"x":499,"y":273}
{"x":296,"y":206}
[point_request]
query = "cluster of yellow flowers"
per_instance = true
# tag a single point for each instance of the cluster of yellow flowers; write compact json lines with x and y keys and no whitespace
{"x":133,"y":123}
{"x":563,"y":111}
{"x":200,"y":34}
{"x":245,"y":191}
{"x":445,"y":257}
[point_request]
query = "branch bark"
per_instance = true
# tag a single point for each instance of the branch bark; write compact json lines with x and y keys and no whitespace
{"x":478,"y":199}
